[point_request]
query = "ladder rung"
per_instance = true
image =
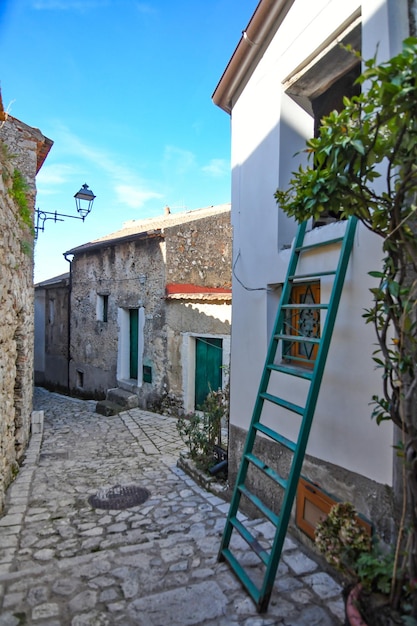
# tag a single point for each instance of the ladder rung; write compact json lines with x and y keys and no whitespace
{"x":253,"y":591}
{"x":299,"y":359}
{"x":276,"y":436}
{"x":267,"y":470}
{"x":300,"y":372}
{"x":311,"y":275}
{"x":305,"y":306}
{"x":259,"y":505}
{"x":319,"y":244}
{"x":299,"y":338}
{"x":295,"y":408}
{"x":250,"y":540}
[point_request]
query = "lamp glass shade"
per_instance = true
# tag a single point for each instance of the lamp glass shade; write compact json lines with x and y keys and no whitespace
{"x":84,"y":201}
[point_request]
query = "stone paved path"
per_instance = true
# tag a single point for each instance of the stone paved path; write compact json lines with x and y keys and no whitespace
{"x":63,"y":562}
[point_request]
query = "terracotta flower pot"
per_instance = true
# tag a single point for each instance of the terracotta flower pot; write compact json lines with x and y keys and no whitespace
{"x":353,"y":615}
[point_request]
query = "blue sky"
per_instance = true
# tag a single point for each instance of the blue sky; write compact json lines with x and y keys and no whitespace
{"x":123,"y":88}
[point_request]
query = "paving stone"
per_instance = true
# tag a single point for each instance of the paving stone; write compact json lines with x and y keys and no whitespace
{"x":65,"y":586}
{"x":83,"y":601}
{"x":11,"y":520}
{"x":94,"y":618}
{"x":181,"y":607}
{"x":323,"y":585}
{"x":44,"y":611}
{"x":299,"y":562}
{"x":45,"y":554}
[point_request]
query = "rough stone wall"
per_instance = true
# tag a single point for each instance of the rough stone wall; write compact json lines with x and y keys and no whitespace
{"x":54,"y":319}
{"x":116,"y":271}
{"x":200,"y":252}
{"x":18,"y":149}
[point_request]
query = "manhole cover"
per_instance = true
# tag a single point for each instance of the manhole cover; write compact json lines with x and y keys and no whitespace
{"x":119,"y":497}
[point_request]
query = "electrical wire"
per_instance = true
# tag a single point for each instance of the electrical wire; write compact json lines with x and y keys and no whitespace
{"x":242,"y":284}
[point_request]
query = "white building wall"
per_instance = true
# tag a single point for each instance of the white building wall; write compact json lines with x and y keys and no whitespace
{"x":343,"y":432}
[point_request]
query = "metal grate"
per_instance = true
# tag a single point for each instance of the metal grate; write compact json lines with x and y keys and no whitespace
{"x":119,"y":497}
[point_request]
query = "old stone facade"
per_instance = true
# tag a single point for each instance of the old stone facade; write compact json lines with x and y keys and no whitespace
{"x":22,"y":152}
{"x":51,"y":333}
{"x":141,"y":298}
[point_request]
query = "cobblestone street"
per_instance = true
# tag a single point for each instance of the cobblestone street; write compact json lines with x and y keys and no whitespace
{"x":63,"y":562}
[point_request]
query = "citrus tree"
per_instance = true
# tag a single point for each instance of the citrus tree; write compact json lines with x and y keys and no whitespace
{"x":364,"y":163}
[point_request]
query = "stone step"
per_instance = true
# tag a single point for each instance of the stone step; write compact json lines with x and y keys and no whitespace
{"x":123,"y":398}
{"x":106,"y":408}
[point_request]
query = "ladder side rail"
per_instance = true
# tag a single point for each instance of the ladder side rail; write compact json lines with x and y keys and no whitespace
{"x":251,"y":435}
{"x":304,"y":432}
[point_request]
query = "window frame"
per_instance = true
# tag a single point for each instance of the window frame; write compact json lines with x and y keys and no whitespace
{"x":296,"y":352}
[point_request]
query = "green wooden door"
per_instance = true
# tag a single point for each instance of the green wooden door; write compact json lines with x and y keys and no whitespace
{"x":208,"y":363}
{"x":133,"y":315}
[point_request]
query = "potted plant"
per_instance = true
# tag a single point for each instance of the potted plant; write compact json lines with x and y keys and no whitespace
{"x":375,"y":137}
{"x":366,"y":565}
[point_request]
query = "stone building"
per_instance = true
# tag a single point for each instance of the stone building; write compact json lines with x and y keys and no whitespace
{"x":51,"y":333}
{"x":22,"y":151}
{"x":151,"y":307}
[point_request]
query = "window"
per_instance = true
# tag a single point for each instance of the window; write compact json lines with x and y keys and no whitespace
{"x":51,"y":311}
{"x":147,"y":374}
{"x":80,"y":379}
{"x":102,"y":307}
{"x":320,"y":82}
{"x":302,"y":321}
{"x":313,"y":506}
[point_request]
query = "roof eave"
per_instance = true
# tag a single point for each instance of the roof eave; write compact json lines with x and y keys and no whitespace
{"x":108,"y":243}
{"x":255,"y":38}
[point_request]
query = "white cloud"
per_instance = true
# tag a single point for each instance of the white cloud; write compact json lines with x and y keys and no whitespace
{"x":129,"y":188}
{"x":51,"y":175}
{"x":178,"y":160}
{"x":217,"y":168}
{"x":134,"y":197}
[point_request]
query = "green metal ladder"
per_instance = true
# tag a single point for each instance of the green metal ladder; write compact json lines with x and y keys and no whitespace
{"x":269,"y":556}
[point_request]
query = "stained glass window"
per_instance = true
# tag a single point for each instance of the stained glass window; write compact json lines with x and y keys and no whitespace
{"x":302,"y":322}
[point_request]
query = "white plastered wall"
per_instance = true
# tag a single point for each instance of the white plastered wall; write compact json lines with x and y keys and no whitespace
{"x":188,"y":353}
{"x":268,"y":128}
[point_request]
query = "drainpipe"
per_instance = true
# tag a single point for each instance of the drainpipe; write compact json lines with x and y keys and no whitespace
{"x":69,"y":320}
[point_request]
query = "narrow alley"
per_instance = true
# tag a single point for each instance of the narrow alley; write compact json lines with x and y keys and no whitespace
{"x":68,"y":558}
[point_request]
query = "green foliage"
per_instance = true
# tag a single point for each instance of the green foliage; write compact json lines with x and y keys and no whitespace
{"x":202,"y":432}
{"x":375,"y":570}
{"x":18,"y":192}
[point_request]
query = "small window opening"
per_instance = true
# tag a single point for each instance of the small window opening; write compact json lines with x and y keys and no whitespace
{"x":51,"y":311}
{"x":147,"y":374}
{"x":80,"y":379}
{"x":102,"y":307}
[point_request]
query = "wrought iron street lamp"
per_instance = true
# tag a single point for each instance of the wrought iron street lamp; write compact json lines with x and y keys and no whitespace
{"x":83,"y":201}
